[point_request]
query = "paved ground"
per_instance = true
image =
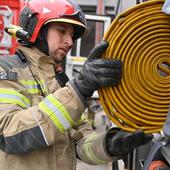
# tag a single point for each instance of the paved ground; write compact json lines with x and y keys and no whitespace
{"x":83,"y":166}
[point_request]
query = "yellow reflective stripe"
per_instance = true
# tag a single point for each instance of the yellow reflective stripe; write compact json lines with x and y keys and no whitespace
{"x":57,"y":113}
{"x":13,"y":97}
{"x":31,"y":85}
{"x":46,"y":110}
{"x":61,"y":107}
{"x":88,"y":151}
{"x":42,"y":83}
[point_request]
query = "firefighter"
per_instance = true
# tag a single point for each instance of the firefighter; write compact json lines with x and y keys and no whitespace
{"x":40,"y":117}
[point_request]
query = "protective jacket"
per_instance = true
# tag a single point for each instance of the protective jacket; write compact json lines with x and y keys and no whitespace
{"x":40,"y":126}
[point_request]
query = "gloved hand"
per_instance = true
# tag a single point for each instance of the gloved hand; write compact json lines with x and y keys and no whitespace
{"x":120,"y":143}
{"x":98,"y":72}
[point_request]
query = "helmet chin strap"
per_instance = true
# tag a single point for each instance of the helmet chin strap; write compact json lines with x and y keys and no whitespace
{"x":41,"y":41}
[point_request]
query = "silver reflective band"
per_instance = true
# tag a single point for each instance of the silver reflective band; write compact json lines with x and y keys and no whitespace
{"x":56,"y":112}
{"x":32,"y":86}
{"x":12,"y":96}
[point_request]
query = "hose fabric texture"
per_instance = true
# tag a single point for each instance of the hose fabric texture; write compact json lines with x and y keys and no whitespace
{"x":140,"y":38}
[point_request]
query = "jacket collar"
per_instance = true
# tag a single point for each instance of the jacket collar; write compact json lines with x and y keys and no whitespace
{"x":36,"y":56}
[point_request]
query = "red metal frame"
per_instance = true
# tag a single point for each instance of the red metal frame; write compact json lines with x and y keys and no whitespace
{"x":15,"y":6}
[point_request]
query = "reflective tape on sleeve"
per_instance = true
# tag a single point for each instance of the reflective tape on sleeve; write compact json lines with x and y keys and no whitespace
{"x":88,"y":150}
{"x":57,"y":113}
{"x":32,"y":87}
{"x":13,"y":97}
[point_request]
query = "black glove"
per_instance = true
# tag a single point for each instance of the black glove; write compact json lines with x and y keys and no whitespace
{"x":98,"y":72}
{"x":120,"y":143}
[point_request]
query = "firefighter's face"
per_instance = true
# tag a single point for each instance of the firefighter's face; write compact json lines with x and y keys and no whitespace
{"x":60,"y":40}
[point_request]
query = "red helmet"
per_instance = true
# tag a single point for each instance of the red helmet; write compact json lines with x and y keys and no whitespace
{"x":37,"y":13}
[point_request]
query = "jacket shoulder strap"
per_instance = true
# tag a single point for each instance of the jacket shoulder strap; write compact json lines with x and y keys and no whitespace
{"x":7,"y":62}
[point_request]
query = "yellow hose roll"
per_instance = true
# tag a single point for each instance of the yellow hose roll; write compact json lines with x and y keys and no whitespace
{"x":140,"y":38}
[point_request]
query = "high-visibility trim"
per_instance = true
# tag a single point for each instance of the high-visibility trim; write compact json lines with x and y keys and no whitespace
{"x":55,"y":120}
{"x":13,"y":97}
{"x":32,"y":87}
{"x":57,"y":112}
{"x":88,"y":150}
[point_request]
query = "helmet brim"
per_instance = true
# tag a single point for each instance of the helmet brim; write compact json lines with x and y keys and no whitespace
{"x":73,"y":22}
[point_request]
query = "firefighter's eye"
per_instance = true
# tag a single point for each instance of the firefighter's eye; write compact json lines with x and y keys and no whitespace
{"x":61,"y":29}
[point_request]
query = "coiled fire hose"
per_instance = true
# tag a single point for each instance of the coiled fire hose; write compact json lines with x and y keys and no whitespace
{"x":140,"y":38}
